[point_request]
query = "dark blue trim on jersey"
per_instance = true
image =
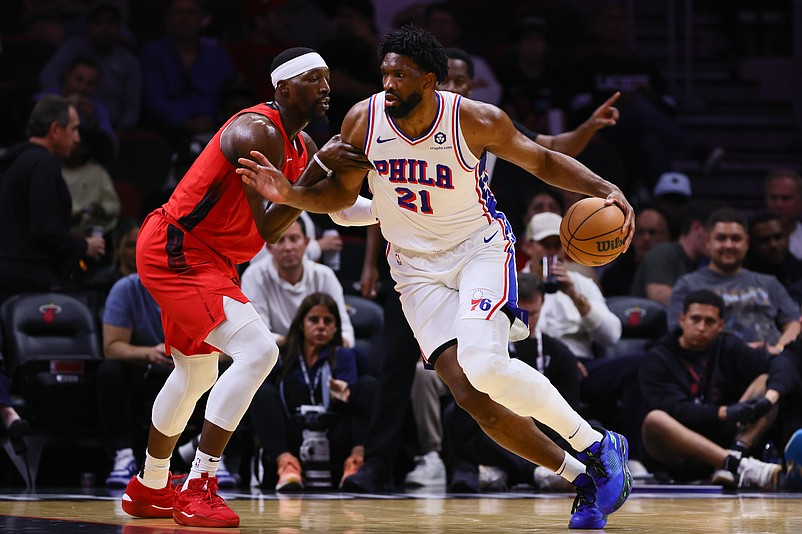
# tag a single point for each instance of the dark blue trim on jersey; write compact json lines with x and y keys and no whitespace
{"x":176,"y":260}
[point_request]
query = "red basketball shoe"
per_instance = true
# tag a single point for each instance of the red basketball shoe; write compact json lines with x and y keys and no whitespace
{"x":200,"y":506}
{"x":142,"y":501}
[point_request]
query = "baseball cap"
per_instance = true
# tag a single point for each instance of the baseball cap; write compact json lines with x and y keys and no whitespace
{"x":674,"y":183}
{"x":543,"y":225}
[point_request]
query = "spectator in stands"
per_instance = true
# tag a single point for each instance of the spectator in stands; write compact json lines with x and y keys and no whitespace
{"x":123,"y":260}
{"x":94,"y":199}
{"x":662,"y":266}
{"x":277,"y":285}
{"x":316,"y":373}
{"x":651,"y":228}
{"x":670,"y":194}
{"x":120,"y":80}
{"x":184,"y":74}
{"x":783,"y":189}
{"x":648,"y":127}
{"x":472,"y":450}
{"x":37,"y":251}
{"x":441,"y":20}
{"x":705,"y":392}
{"x":768,"y":253}
{"x":758,"y":309}
{"x":352,"y":57}
{"x":80,"y":83}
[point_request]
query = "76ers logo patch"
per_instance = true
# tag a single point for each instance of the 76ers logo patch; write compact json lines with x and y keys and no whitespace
{"x":479,"y":302}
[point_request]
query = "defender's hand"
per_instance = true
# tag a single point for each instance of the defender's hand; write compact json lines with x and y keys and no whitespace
{"x":264,"y":177}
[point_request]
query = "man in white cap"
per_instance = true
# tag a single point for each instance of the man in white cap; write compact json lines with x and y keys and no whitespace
{"x":671,"y":192}
{"x":187,"y":254}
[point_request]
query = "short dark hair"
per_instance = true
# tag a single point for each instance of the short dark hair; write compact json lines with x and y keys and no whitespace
{"x":529,"y":285}
{"x":49,"y":108}
{"x":461,"y":55}
{"x":727,"y":215}
{"x":761,"y":217}
{"x":287,"y":55}
{"x":695,"y":210}
{"x":703,"y":296}
{"x":420,"y":46}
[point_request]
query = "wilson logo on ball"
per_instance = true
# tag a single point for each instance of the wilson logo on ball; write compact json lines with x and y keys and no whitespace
{"x":609,"y":244}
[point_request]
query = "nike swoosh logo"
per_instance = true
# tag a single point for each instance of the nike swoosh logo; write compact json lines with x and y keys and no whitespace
{"x":489,"y":239}
{"x":380,"y":140}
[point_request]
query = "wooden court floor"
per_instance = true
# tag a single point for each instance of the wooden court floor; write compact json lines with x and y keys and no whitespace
{"x":659,"y":512}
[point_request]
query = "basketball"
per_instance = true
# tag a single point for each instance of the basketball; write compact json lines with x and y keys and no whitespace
{"x":590,"y":232}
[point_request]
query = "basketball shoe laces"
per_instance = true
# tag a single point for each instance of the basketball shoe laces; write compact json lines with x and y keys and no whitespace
{"x":585,"y":497}
{"x":595,"y":468}
{"x":215,"y":501}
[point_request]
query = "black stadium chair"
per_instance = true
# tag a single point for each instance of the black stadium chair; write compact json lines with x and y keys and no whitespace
{"x":643,"y":322}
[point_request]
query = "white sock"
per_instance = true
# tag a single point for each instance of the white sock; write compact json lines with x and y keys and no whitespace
{"x":156,"y":472}
{"x":570,"y":468}
{"x":583,"y":436}
{"x":203,"y":463}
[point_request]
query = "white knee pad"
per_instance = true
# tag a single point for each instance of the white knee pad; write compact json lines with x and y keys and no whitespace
{"x":191,"y":378}
{"x":482,"y":353}
{"x":246,"y":339}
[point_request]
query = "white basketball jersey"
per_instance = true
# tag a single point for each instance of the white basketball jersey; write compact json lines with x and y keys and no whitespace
{"x":429,"y":193}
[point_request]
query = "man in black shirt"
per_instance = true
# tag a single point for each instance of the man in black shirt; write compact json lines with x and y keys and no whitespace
{"x":707,"y":393}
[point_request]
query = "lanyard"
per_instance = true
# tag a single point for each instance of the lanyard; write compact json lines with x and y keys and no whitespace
{"x":540,"y":361}
{"x":310,"y":384}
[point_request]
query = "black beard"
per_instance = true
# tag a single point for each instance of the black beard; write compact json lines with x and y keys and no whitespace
{"x":404,"y":107}
{"x":319,"y":119}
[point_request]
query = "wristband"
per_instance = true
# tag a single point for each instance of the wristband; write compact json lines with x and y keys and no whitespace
{"x":329,"y":172}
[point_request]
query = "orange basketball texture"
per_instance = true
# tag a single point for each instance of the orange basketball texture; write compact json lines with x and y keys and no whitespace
{"x":590,"y":232}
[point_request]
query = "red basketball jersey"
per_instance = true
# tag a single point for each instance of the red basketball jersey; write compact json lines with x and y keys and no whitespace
{"x":210,"y":204}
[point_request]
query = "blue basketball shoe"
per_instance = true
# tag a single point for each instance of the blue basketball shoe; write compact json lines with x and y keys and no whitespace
{"x":606,"y":462}
{"x":793,"y":462}
{"x":584,"y":513}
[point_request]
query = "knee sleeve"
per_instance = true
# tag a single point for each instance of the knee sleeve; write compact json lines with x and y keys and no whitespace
{"x":246,"y":339}
{"x":191,"y":378}
{"x":482,"y":353}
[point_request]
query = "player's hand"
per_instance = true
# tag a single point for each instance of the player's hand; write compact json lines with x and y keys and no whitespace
{"x":338,"y":155}
{"x":264,"y":177}
{"x":628,"y":228}
{"x":606,"y":114}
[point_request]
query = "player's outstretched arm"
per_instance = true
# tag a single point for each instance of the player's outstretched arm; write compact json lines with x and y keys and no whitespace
{"x":488,"y":128}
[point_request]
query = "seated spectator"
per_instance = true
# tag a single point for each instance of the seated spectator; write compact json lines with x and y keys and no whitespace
{"x":662,"y":266}
{"x":313,"y":411}
{"x":758,"y":309}
{"x":37,"y":251}
{"x":705,"y":392}
{"x":783,"y":188}
{"x":123,"y":260}
{"x":276,"y":287}
{"x":651,"y":228}
{"x":120,"y":79}
{"x":184,"y":74}
{"x":472,"y":448}
{"x":670,"y":194}
{"x":94,"y":199}
{"x":768,"y":253}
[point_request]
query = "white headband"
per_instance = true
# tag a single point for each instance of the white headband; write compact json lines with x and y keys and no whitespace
{"x":296,"y":66}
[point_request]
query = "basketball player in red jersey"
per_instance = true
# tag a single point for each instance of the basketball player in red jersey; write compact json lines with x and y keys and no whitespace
{"x":187,"y":251}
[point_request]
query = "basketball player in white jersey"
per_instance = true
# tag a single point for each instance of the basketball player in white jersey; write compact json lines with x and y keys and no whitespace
{"x":451,"y":254}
